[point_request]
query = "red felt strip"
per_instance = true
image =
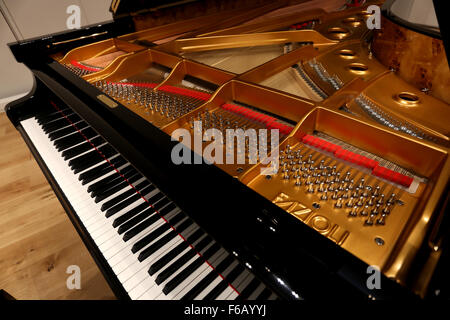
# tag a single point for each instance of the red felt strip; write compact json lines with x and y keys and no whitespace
{"x":79,"y":65}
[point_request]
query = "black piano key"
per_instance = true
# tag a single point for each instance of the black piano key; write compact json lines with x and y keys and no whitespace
{"x":124,"y":227}
{"x":60,"y":123}
{"x":264,"y":294}
{"x":163,"y":240}
{"x":93,"y":153}
{"x":152,"y":235}
{"x":132,"y":221}
{"x":176,"y":265}
{"x":133,"y":212}
{"x":249,"y":289}
{"x":83,"y":147}
{"x":199,"y":287}
{"x":122,"y":205}
{"x":67,"y":130}
{"x":101,"y":170}
{"x":96,"y":186}
{"x":92,"y":161}
{"x":186,"y":272}
{"x":54,"y":116}
{"x":214,"y":293}
{"x":167,"y":208}
{"x":102,"y":196}
{"x":119,"y":180}
{"x":66,"y":142}
{"x":164,"y":260}
{"x":87,"y":160}
{"x":174,"y":220}
{"x":141,"y":226}
{"x":112,"y":202}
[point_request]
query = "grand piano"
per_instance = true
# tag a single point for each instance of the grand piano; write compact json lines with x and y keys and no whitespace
{"x":357,"y":208}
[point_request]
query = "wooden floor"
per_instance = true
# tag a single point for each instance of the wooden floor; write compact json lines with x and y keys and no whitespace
{"x":37,"y":239}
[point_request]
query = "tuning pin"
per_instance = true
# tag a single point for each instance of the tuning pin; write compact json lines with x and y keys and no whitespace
{"x":324,"y":196}
{"x":345,"y":195}
{"x":347,"y":176}
{"x":391,"y":199}
{"x":375,"y":210}
{"x":366,"y":191}
{"x":351,"y":185}
{"x":338,"y":203}
{"x":298,"y":181}
{"x":382,"y":219}
{"x":355,"y":193}
{"x":341,"y":186}
{"x":365,"y":211}
{"x":371,"y":201}
{"x":333,"y":171}
{"x":310,"y":188}
{"x":361,"y":184}
{"x":331,"y":187}
{"x":321,"y":166}
{"x":353,"y":212}
{"x":381,"y":200}
{"x":335,"y":194}
{"x":350,"y":203}
{"x":369,"y":221}
{"x":321,"y":187}
{"x":387,"y":209}
{"x":376,"y":192}
{"x":360,"y":202}
{"x":286,"y":176}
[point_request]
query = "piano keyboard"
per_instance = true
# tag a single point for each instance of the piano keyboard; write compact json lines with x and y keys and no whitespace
{"x":155,"y":250}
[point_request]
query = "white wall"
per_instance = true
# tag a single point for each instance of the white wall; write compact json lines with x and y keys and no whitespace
{"x":30,"y":18}
{"x":416,"y":11}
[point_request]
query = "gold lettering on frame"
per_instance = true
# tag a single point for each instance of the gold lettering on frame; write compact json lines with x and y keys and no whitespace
{"x":321,"y":224}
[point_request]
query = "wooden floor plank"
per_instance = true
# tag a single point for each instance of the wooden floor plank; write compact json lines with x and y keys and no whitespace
{"x":37,"y":240}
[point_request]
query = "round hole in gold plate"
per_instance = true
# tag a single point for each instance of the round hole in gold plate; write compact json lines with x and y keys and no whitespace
{"x":363,"y":14}
{"x":358,"y":68}
{"x":352,"y":21}
{"x":407,"y":98}
{"x":338,"y":32}
{"x":347,"y":54}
